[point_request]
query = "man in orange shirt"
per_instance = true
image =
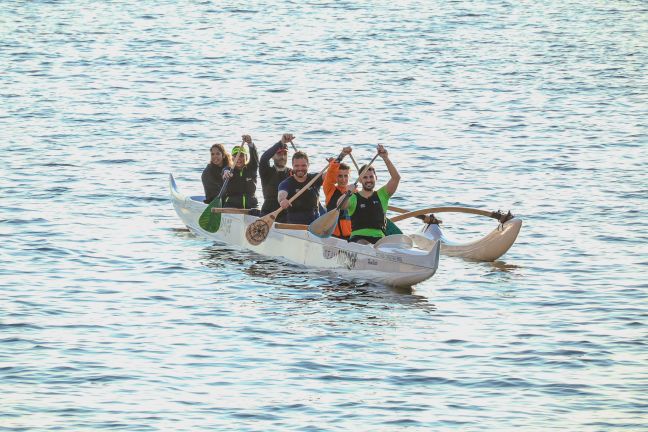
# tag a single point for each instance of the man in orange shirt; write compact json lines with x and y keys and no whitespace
{"x":335,"y":185}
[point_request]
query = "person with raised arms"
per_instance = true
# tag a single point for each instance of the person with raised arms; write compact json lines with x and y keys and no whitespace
{"x":271,"y":176}
{"x":367,"y":208}
{"x":212,"y":175}
{"x":304,"y":209}
{"x":243,"y":177}
{"x":335,"y":185}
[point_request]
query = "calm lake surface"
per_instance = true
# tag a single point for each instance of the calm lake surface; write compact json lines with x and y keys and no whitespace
{"x":114,"y":317}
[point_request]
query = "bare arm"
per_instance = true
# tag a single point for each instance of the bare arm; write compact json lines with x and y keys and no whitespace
{"x":393,"y":182}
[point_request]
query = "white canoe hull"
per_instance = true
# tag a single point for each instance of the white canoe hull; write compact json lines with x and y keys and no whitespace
{"x":392,"y":264}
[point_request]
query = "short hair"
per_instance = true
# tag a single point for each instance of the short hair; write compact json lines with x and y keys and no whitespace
{"x":227,"y":158}
{"x":300,"y":155}
{"x":344,"y":167}
{"x":371,"y":168}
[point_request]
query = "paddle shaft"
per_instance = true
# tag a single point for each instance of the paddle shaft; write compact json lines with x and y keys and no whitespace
{"x":354,"y":162}
{"x":293,"y":146}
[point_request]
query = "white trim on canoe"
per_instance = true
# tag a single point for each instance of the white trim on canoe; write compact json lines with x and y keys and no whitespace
{"x":393,"y":261}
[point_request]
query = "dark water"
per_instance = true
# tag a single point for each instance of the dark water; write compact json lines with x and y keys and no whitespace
{"x":113,"y":316}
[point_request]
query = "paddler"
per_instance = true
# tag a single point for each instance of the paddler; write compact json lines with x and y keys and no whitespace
{"x":336,"y":183}
{"x":271,"y":176}
{"x":367,"y":208}
{"x":304,"y":209}
{"x":243,"y":177}
{"x":212,"y":175}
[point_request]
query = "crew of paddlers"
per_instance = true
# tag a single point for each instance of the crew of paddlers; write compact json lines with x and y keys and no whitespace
{"x":363,"y":214}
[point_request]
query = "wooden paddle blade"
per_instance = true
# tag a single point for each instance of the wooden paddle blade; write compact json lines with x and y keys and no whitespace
{"x":257,"y":232}
{"x":208,"y":220}
{"x":324,"y":225}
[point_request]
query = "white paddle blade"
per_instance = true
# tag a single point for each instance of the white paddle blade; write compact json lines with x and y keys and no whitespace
{"x":324,"y":225}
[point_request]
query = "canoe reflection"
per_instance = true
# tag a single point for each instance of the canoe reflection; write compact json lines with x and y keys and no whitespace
{"x":275,"y":273}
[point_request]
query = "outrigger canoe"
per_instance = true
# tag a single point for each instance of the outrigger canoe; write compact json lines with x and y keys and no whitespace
{"x":393,"y":261}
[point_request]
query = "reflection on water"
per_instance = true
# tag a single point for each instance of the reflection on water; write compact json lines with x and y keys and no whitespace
{"x":278,"y":274}
{"x":503,"y":266}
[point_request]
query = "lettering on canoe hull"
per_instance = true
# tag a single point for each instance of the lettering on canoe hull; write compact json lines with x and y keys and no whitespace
{"x":344,"y":258}
{"x":389,"y":257}
{"x":226,"y":226}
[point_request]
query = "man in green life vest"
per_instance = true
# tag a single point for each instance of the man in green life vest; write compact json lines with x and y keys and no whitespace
{"x":367,"y":207}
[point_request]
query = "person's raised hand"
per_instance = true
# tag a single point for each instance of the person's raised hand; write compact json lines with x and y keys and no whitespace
{"x":382,"y":152}
{"x":287,"y":137}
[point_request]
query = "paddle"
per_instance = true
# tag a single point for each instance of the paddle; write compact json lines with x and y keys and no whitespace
{"x":293,"y":146}
{"x":354,"y":162}
{"x":258,"y":230}
{"x":209,"y":220}
{"x":324,"y":225}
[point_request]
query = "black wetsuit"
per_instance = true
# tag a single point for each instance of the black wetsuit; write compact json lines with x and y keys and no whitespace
{"x":242,"y":186}
{"x":212,"y":180}
{"x":270,"y":179}
{"x":304,"y":209}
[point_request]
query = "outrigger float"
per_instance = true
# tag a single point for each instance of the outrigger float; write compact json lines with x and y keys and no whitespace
{"x":488,"y":248}
{"x":396,"y":260}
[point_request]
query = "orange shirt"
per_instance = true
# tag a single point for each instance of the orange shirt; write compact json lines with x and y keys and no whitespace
{"x":343,"y":227}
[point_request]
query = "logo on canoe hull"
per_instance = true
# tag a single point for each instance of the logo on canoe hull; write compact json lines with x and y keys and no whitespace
{"x":226,"y":226}
{"x":344,"y":258}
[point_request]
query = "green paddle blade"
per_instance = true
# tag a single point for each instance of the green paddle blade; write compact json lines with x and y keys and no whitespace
{"x":324,"y":225}
{"x":208,"y":220}
{"x":392,"y":228}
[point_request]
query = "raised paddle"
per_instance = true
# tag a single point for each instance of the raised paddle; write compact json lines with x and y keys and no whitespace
{"x":293,"y":146}
{"x":354,"y":162}
{"x":210,"y":220}
{"x":324,"y":225}
{"x":258,"y":230}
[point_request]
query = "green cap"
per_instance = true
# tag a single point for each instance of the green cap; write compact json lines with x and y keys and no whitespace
{"x":239,"y":149}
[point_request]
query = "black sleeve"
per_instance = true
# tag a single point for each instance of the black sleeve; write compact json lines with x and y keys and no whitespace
{"x":264,"y":163}
{"x":211,"y":182}
{"x":253,"y":165}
